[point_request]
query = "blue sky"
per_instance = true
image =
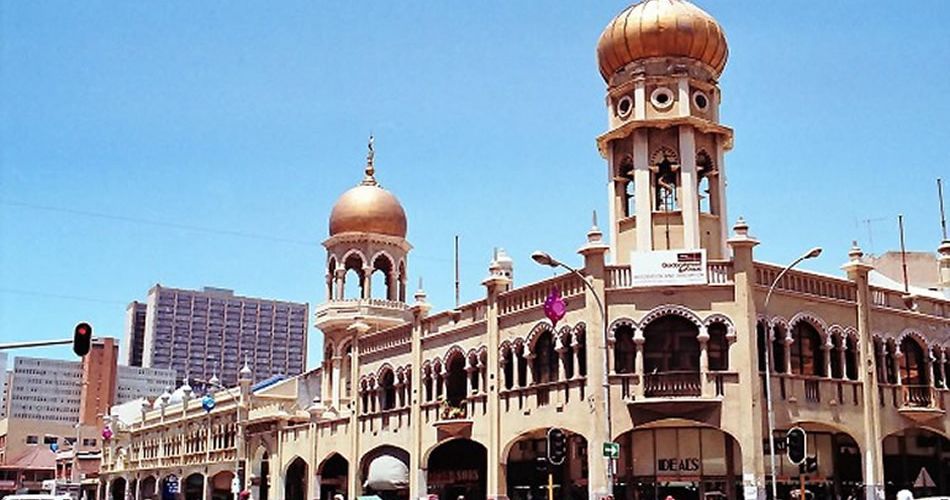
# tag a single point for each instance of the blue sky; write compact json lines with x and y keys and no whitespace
{"x":178,"y":122}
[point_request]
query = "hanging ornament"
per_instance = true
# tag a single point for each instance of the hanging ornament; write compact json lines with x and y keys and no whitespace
{"x":554,"y":306}
{"x":207,"y":402}
{"x":107,"y":433}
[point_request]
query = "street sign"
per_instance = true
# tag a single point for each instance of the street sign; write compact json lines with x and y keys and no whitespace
{"x":235,"y":486}
{"x":924,"y":480}
{"x":171,"y":484}
{"x":611,"y":450}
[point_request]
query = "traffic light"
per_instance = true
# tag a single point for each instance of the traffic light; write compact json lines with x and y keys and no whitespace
{"x":82,"y":339}
{"x":795,"y":445}
{"x":557,"y":446}
{"x":808,"y":466}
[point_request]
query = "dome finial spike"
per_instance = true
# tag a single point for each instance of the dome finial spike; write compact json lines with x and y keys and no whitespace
{"x":370,"y":178}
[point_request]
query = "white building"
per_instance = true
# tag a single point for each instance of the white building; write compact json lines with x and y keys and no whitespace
{"x":136,"y":382}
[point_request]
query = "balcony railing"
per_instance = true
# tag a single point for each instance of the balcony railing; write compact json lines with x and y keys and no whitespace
{"x":672,"y":384}
{"x":919,"y":396}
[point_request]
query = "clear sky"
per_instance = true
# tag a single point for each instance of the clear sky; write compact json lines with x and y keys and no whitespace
{"x":204,"y":143}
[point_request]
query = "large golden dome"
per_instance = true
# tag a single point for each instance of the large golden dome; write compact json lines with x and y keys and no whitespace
{"x":661,"y":28}
{"x":368,"y":208}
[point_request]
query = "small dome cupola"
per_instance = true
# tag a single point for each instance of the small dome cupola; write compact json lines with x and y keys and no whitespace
{"x":661,"y":28}
{"x":368,"y":208}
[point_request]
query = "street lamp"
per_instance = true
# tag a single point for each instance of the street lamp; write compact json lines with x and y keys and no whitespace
{"x":545,"y":259}
{"x":811,"y":254}
{"x":208,"y":405}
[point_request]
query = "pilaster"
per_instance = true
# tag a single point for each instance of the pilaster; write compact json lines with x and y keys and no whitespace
{"x":495,"y":283}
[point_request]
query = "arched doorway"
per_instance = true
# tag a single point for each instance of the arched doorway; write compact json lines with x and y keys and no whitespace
{"x":118,"y":488}
{"x":527,"y":470}
{"x":147,"y":488}
{"x":835,"y":460}
{"x":194,"y":486}
{"x":332,"y":476}
{"x":457,"y":468}
{"x":385,"y":473}
{"x":295,"y":483}
{"x":687,"y":463}
{"x":260,"y":474}
{"x":917,"y":460}
{"x":221,"y":485}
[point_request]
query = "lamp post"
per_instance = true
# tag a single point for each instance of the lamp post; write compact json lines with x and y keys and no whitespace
{"x":811,"y":254}
{"x":545,"y":259}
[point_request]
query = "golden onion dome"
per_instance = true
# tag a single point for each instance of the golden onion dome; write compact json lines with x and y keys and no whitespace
{"x":368,"y":208}
{"x":661,"y":28}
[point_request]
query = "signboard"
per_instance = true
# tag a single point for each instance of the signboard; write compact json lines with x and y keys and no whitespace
{"x":172,"y":485}
{"x":611,"y":450}
{"x":235,"y":486}
{"x":924,"y":480}
{"x":668,"y":268}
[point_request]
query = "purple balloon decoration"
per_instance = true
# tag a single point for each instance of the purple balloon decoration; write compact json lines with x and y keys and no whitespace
{"x":107,"y":433}
{"x":554,"y":306}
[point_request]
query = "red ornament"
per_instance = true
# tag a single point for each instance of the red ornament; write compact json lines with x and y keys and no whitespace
{"x":107,"y":433}
{"x":554,"y":306}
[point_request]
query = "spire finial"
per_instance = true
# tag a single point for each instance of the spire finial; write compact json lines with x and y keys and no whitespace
{"x":370,"y":167}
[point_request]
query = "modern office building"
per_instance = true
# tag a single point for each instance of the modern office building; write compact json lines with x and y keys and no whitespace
{"x":4,"y":384}
{"x":677,"y":366}
{"x":209,"y":332}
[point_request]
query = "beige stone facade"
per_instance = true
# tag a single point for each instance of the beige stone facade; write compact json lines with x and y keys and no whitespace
{"x":409,"y":402}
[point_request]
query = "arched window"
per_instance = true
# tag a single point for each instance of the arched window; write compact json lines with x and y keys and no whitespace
{"x":778,"y":349}
{"x":331,"y":278}
{"x":717,"y":347}
{"x":473,"y":375}
{"x":427,"y":382}
{"x":807,"y":355}
{"x":671,"y":345}
{"x":382,"y":286}
{"x":522,"y":366}
{"x":545,"y":359}
{"x":387,"y":391}
{"x":851,"y":358}
{"x":626,"y":173}
{"x":353,"y":279}
{"x":582,"y":353}
{"x":568,"y":356}
{"x":624,"y":350}
{"x":913,"y":365}
{"x":704,"y":170}
{"x":455,"y":382}
{"x":509,"y":363}
{"x":837,"y":348}
{"x":665,"y":187}
{"x":889,"y":374}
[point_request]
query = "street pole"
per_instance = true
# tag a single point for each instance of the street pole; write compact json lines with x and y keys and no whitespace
{"x":37,"y":343}
{"x":237,"y":428}
{"x":546,"y":260}
{"x":814,"y":252}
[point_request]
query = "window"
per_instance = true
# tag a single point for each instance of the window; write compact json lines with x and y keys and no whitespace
{"x":32,"y":440}
{"x":50,"y":439}
{"x":624,"y":350}
{"x":671,"y":345}
{"x":718,"y":347}
{"x":807,"y":355}
{"x":545,"y":359}
{"x":665,"y":189}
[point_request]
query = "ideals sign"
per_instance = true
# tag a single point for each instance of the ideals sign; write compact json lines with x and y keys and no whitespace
{"x":668,"y":267}
{"x":677,"y":465}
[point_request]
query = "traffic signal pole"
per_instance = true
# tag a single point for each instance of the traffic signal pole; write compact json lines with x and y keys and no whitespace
{"x":35,"y":343}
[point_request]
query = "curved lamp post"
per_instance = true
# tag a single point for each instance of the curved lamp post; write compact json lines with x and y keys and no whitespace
{"x":208,"y":404}
{"x":545,"y":259}
{"x":811,"y":254}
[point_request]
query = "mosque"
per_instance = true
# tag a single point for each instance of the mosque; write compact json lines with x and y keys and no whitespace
{"x":678,"y":365}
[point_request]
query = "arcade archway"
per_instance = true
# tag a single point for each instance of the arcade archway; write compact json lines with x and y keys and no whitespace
{"x":193,"y":487}
{"x":917,"y":460}
{"x":221,"y":485}
{"x":527,"y":471}
{"x":118,"y":488}
{"x":457,"y":468}
{"x":147,"y":488}
{"x":832,"y":468}
{"x":687,"y":463}
{"x":332,"y":475}
{"x":385,"y":473}
{"x":295,"y":482}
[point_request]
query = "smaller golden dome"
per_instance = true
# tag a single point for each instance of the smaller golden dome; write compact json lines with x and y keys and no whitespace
{"x":368,"y":208}
{"x":661,"y":28}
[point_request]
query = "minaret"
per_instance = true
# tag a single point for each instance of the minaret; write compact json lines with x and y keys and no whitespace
{"x":661,"y":60}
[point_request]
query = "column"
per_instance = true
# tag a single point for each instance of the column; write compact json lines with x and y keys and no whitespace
{"x":638,"y":341}
{"x":641,"y":179}
{"x":576,"y":352}
{"x":367,"y":282}
{"x":561,"y":362}
{"x":529,"y":361}
{"x":340,"y":283}
{"x":336,"y":361}
{"x":206,"y":486}
{"x":898,"y":355}
{"x":392,"y":286}
{"x":843,"y":358}
{"x":826,"y":348}
{"x":689,"y":185}
{"x":788,"y":352}
{"x":929,"y":367}
{"x":703,"y":338}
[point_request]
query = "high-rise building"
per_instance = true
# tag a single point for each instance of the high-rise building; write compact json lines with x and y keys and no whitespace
{"x":134,"y":333}
{"x":208,"y":333}
{"x":4,"y":380}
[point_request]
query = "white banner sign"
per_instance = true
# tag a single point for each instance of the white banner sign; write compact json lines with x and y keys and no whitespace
{"x":669,"y":267}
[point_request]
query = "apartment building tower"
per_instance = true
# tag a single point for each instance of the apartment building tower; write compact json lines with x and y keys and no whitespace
{"x":209,"y":332}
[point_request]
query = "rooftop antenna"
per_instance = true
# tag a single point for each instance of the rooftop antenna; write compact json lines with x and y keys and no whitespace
{"x":900,"y":226}
{"x":456,"y":271}
{"x":943,"y":216}
{"x":867,"y":223}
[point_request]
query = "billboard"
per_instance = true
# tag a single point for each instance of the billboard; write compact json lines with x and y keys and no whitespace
{"x":668,"y":267}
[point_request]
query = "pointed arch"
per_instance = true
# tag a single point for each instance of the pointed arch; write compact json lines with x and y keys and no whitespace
{"x":618,"y":323}
{"x":814,"y":320}
{"x":721,"y":319}
{"x":452,"y":353}
{"x":539,"y":328}
{"x":667,"y":310}
{"x":916,"y":335}
{"x":664,"y":152}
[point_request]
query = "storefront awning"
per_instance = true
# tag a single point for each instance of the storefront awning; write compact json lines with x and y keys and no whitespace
{"x":387,"y":473}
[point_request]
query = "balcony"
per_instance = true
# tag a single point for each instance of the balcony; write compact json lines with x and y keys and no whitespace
{"x":920,"y":403}
{"x":672,"y":385}
{"x":453,"y":420}
{"x":379,"y":313}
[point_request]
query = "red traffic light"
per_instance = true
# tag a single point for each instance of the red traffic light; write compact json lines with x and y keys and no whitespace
{"x":82,"y":339}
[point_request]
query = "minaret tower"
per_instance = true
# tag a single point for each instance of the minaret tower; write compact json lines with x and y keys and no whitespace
{"x":366,"y":277}
{"x":661,"y":60}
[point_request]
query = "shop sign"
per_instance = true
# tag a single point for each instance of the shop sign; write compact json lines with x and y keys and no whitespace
{"x":171,"y":484}
{"x":452,"y":476}
{"x":668,"y":267}
{"x":677,"y":464}
{"x":611,"y":450}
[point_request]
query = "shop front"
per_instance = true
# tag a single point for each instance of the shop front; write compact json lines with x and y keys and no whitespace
{"x":917,"y":460}
{"x":457,"y":469}
{"x":528,"y":474}
{"x":832,"y":467}
{"x":685,"y":463}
